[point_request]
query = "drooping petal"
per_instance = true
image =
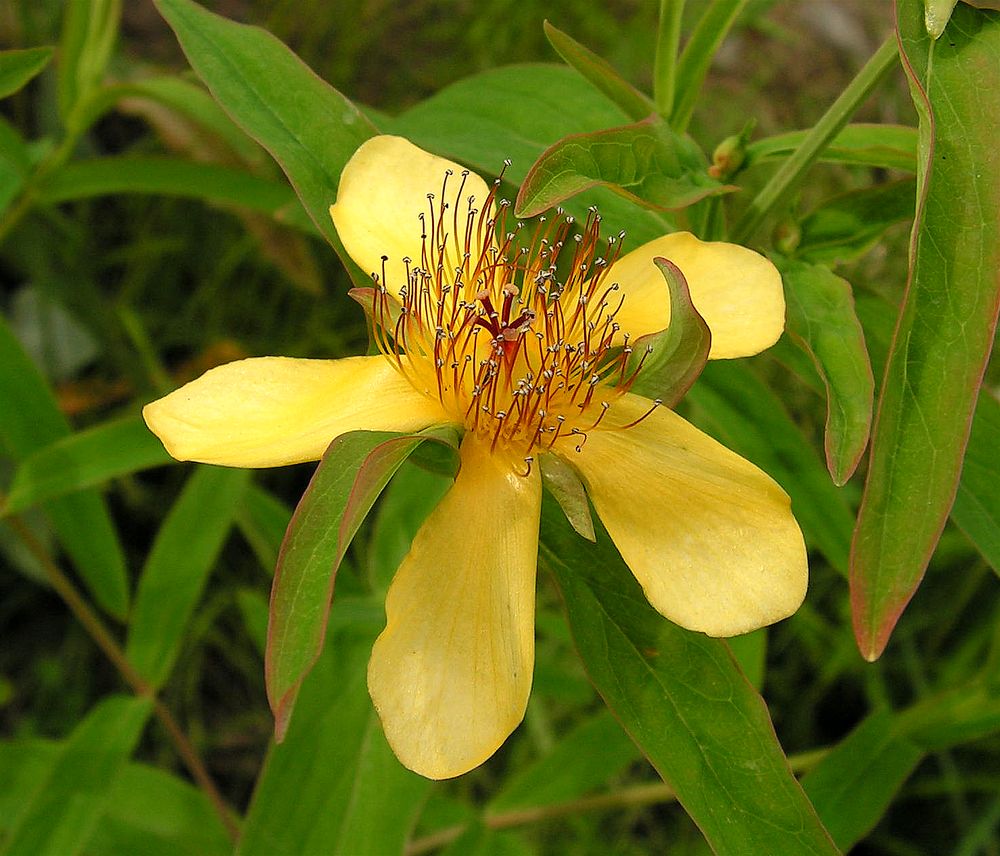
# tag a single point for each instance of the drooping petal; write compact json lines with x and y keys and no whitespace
{"x":271,"y":411}
{"x":737,"y":291}
{"x":383,"y":191}
{"x":451,"y":672}
{"x":709,"y":536}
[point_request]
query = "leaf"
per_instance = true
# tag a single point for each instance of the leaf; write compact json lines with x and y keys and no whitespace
{"x":645,"y":162}
{"x":185,"y":550}
{"x":309,"y":128}
{"x":885,"y":146}
{"x":65,"y":809}
{"x":733,"y":405}
{"x":977,"y":503}
{"x":947,"y":320}
{"x":562,"y":481}
{"x":333,"y":785}
{"x":354,"y":470}
{"x":854,"y":785}
{"x":847,"y":226}
{"x":263,"y":519}
{"x":600,"y":74}
{"x":696,"y":58}
{"x":17,"y":67}
{"x":517,"y":112}
{"x":670,"y":361}
{"x":685,"y":703}
{"x":163,"y":176}
{"x":30,"y":420}
{"x":821,"y":320}
{"x":85,"y":459}
{"x":89,"y":31}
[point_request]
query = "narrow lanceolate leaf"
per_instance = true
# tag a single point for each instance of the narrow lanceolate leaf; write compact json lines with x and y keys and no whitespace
{"x":67,"y":807}
{"x":599,"y":72}
{"x":89,"y":30}
{"x":354,"y":470}
{"x":670,"y":361}
{"x":847,"y":226}
{"x":645,"y":162}
{"x":333,"y":785}
{"x":886,"y":146}
{"x":853,"y":786}
{"x":309,"y":128}
{"x":19,"y":66}
{"x":977,"y":505}
{"x":31,"y":420}
{"x":185,"y":550}
{"x":85,"y":459}
{"x":820,"y":318}
{"x":947,"y":321}
{"x":685,"y":703}
{"x":173,"y":177}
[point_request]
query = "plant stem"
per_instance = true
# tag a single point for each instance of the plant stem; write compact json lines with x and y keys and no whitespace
{"x":635,"y":796}
{"x":668,"y":40}
{"x":793,"y":169}
{"x":102,"y":637}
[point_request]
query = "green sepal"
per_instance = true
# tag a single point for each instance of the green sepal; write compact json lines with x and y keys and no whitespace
{"x":646,"y":163}
{"x":562,"y":481}
{"x":665,"y":364}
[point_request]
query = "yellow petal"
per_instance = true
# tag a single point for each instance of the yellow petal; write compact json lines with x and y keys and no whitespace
{"x":710,"y":537}
{"x":270,"y":411}
{"x":451,"y":672}
{"x":383,"y":191}
{"x":737,"y":291}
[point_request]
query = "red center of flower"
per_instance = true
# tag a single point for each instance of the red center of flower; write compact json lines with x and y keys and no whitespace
{"x":517,"y":338}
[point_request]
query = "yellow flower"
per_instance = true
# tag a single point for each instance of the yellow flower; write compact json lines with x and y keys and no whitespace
{"x":526,"y":357}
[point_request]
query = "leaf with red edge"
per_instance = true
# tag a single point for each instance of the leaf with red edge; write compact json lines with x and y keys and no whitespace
{"x":947,"y":322}
{"x":349,"y":478}
{"x":668,"y":362}
{"x":645,"y":162}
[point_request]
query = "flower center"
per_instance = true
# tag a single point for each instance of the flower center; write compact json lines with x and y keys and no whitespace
{"x":513,"y":330}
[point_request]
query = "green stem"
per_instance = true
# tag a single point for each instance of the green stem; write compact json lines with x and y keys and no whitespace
{"x":635,"y":796}
{"x":792,"y":170}
{"x":102,"y":637}
{"x":668,"y":40}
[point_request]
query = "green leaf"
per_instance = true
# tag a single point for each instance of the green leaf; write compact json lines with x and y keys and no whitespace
{"x":885,"y":146}
{"x":309,"y":128}
{"x":854,"y":785}
{"x":977,"y":503}
{"x":89,"y":31}
{"x":668,"y":362}
{"x":588,"y":757}
{"x":17,"y":67}
{"x":684,"y":701}
{"x":733,"y":405}
{"x":354,"y":470}
{"x":31,"y":420}
{"x":185,"y":550}
{"x":600,"y":74}
{"x":696,"y":58}
{"x":847,"y":226}
{"x":821,"y":320}
{"x":85,"y":459}
{"x":164,"y":176}
{"x":333,"y":785}
{"x":263,"y":519}
{"x":66,"y":808}
{"x":947,"y":321}
{"x":517,"y":112}
{"x":645,"y":162}
{"x":562,"y":481}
